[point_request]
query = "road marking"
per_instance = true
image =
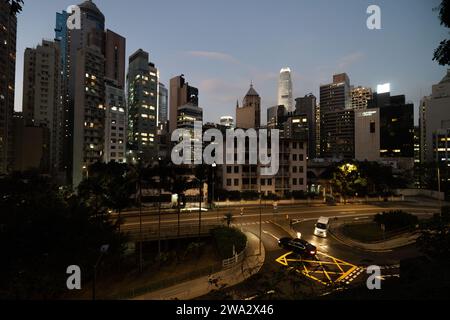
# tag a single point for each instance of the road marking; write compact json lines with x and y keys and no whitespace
{"x":326,"y":270}
{"x":270,"y":234}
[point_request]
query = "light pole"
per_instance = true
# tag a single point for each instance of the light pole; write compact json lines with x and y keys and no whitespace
{"x":260,"y":218}
{"x":103,"y":250}
{"x":214,"y":166}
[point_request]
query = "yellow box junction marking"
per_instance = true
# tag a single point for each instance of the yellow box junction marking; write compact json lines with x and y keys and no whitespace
{"x":326,"y":270}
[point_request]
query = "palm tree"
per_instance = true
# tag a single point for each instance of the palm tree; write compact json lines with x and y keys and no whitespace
{"x":201,"y":175}
{"x":178,"y":184}
{"x":162,"y":171}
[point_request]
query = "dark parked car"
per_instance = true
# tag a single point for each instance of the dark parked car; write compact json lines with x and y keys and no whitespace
{"x":298,"y":246}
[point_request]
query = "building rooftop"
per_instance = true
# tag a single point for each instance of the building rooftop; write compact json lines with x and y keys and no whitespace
{"x":88,"y":5}
{"x":252,"y":92}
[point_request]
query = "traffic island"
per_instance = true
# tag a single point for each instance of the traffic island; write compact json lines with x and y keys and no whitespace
{"x":368,"y":236}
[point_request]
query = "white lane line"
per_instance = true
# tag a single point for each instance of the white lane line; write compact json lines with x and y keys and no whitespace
{"x":270,"y":234}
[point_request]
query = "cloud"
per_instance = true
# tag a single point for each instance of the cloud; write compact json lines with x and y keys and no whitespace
{"x":348,"y":60}
{"x":212,"y":55}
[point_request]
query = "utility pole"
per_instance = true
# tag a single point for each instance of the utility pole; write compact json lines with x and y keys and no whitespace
{"x":140,"y":217}
{"x":260,"y":219}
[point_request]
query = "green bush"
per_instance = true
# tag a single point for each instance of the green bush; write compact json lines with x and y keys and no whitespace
{"x":395,"y":220}
{"x":225,"y":238}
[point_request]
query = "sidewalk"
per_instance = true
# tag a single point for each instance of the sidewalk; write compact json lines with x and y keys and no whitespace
{"x":381,"y":246}
{"x":227,"y":278}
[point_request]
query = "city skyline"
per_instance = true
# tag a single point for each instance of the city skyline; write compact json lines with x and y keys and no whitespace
{"x":223,"y":69}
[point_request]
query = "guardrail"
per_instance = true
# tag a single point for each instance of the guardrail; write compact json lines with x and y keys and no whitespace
{"x":233,"y":261}
{"x":172,"y":232}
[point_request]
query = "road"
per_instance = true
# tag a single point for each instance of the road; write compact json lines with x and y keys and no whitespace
{"x":251,"y":215}
{"x":351,"y":260}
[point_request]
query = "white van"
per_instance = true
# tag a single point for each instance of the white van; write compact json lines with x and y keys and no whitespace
{"x":321,"y":229}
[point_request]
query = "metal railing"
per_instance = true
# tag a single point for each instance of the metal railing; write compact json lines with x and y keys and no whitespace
{"x":171,"y":232}
{"x":233,"y":261}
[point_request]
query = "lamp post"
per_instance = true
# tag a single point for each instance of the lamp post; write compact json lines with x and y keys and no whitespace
{"x":103,"y":250}
{"x":260,"y":218}
{"x":214,"y":166}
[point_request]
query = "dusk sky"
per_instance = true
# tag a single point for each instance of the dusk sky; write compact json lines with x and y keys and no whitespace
{"x":221,"y":46}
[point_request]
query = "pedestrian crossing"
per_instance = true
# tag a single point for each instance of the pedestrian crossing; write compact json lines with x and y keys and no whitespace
{"x":353,"y":276}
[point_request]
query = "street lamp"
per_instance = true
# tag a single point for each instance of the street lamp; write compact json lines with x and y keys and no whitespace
{"x":103,"y":250}
{"x":214,"y":166}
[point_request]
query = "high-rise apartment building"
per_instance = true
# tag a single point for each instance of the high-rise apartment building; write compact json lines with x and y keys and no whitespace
{"x":285,"y":90}
{"x":249,"y":115}
{"x":143,"y":85}
{"x":92,"y":56}
{"x":43,"y":97}
{"x":89,"y":112}
{"x":8,"y":33}
{"x":116,"y":123}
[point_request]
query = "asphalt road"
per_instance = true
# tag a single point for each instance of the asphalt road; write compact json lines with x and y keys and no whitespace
{"x":305,"y":218}
{"x":252,"y":214}
{"x":389,"y":260}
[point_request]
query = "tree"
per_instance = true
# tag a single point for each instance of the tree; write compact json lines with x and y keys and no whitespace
{"x":442,"y":53}
{"x":16,"y":6}
{"x":435,"y":238}
{"x":178,"y":185}
{"x":201,"y":175}
{"x":42,"y":232}
{"x":347,"y":179}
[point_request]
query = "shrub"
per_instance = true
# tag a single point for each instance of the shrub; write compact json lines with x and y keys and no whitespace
{"x":395,"y":220}
{"x":225,"y":238}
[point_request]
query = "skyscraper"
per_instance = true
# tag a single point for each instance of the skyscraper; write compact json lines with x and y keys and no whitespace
{"x":8,"y":33}
{"x":249,"y":115}
{"x":337,"y":130}
{"x":285,"y":95}
{"x":143,"y":84}
{"x":184,"y":96}
{"x":435,"y":116}
{"x":307,"y":106}
{"x":335,"y":98}
{"x":42,"y":97}
{"x":93,"y":55}
{"x":116,"y":123}
{"x":396,"y":126}
{"x":163,"y":104}
{"x":361,"y":97}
